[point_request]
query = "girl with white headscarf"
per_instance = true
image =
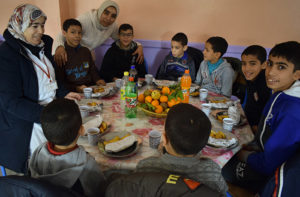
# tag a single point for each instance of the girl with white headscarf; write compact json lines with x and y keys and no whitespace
{"x":97,"y":26}
{"x":27,"y":83}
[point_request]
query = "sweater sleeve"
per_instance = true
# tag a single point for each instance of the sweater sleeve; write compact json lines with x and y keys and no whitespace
{"x":161,"y":70}
{"x":106,"y":71}
{"x":12,"y":98}
{"x":227,"y":81}
{"x":192,"y":69}
{"x":281,"y":145}
{"x":198,"y":75}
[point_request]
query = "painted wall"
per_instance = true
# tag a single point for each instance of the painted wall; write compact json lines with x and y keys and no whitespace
{"x":241,"y":22}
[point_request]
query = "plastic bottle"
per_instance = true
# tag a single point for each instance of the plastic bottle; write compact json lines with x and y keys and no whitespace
{"x":185,"y":84}
{"x":124,"y":83}
{"x":133,"y":73}
{"x":131,"y":99}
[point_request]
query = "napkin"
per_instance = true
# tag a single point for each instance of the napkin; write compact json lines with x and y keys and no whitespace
{"x":234,"y":114}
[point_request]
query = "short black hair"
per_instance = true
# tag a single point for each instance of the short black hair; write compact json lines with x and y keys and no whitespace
{"x":187,"y":128}
{"x":69,"y":22}
{"x":258,"y":51}
{"x":125,"y":27}
{"x":180,"y":37}
{"x":218,"y":44}
{"x":290,"y":51}
{"x":61,"y":121}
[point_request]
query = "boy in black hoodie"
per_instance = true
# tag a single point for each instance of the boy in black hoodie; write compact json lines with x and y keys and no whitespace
{"x":257,"y":92}
{"x":119,"y":58}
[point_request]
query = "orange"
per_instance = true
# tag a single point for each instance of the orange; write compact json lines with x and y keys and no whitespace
{"x":165,"y":90}
{"x":163,"y":99}
{"x":141,"y":98}
{"x":159,"y":109}
{"x":148,"y":99}
{"x":171,"y":103}
{"x":155,"y":102}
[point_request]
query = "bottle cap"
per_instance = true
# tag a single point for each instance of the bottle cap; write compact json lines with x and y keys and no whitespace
{"x":130,"y":78}
{"x":187,"y":71}
{"x":132,"y":67}
{"x":126,"y":73}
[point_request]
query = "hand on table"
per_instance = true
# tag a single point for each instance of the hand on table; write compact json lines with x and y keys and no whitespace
{"x":73,"y":96}
{"x":80,"y":88}
{"x":140,"y":53}
{"x":243,"y":155}
{"x":60,"y":56}
{"x":100,"y":82}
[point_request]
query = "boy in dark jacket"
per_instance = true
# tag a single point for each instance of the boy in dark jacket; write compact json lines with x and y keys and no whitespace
{"x":177,"y":61}
{"x":278,"y":136}
{"x":80,"y":70}
{"x":187,"y":130}
{"x":257,"y":92}
{"x":119,"y":58}
{"x":60,"y":160}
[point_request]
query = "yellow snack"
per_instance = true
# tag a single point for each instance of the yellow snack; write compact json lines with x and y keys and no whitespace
{"x":115,"y":139}
{"x":217,"y":135}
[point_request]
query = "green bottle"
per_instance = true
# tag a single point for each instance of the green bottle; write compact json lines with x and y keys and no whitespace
{"x":131,"y":99}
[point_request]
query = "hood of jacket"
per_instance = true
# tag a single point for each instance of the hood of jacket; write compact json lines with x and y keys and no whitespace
{"x":59,"y":169}
{"x":294,"y":90}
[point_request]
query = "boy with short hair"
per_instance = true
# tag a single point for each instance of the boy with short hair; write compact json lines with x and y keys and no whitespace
{"x":278,"y":137}
{"x":177,"y":61}
{"x":257,"y":92}
{"x":60,"y":160}
{"x":215,"y":73}
{"x":187,"y":130}
{"x":80,"y":70}
{"x":119,"y":58}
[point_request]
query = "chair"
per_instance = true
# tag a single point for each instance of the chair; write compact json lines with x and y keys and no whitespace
{"x":239,"y":82}
{"x":24,"y":186}
{"x":197,"y":56}
{"x":3,"y":171}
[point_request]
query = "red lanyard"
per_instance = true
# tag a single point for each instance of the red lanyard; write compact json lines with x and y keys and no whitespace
{"x":46,"y":73}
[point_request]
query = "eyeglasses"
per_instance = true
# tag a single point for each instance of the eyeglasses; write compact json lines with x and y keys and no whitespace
{"x":126,"y":35}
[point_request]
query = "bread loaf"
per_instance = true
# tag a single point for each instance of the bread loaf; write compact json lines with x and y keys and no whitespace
{"x":121,"y":144}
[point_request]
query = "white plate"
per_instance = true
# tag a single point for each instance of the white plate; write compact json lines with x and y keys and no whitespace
{"x":124,"y":153}
{"x":164,"y":82}
{"x":84,"y":103}
{"x":230,"y":141}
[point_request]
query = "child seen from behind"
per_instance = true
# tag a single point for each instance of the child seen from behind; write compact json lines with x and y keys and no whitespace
{"x":60,"y":160}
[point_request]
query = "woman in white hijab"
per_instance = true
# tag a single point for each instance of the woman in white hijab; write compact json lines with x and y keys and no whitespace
{"x":97,"y":27}
{"x":27,"y":78}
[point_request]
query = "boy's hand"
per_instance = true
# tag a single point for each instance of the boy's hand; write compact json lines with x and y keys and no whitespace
{"x":243,"y":155}
{"x":140,"y":53}
{"x":60,"y":56}
{"x":100,"y":82}
{"x":73,"y":96}
{"x":80,"y":88}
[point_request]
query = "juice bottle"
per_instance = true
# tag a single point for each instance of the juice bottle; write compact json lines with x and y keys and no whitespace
{"x":131,"y":99}
{"x":124,"y":83}
{"x":185,"y":84}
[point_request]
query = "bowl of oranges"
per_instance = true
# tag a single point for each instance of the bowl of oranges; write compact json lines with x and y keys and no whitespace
{"x":157,"y":103}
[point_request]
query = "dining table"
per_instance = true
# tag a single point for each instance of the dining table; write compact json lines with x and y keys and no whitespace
{"x":113,"y":112}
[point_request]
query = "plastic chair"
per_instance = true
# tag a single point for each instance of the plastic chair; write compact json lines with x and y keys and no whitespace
{"x":3,"y":171}
{"x":197,"y":56}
